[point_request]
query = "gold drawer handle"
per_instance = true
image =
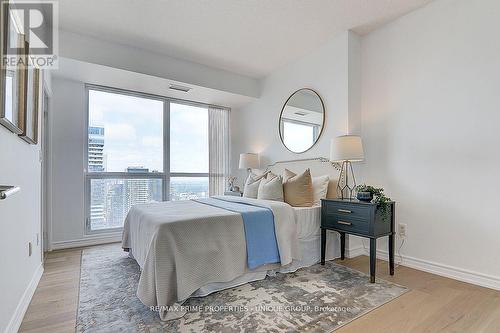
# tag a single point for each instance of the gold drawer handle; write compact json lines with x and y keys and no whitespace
{"x":344,"y":211}
{"x":342,"y":222}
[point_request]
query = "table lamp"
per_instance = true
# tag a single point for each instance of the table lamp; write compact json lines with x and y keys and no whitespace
{"x":346,"y":149}
{"x":249,"y":161}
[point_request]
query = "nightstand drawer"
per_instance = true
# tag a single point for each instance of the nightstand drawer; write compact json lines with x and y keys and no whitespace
{"x":347,"y":224}
{"x":348,"y":210}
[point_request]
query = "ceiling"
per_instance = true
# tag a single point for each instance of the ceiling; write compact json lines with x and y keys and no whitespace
{"x":248,"y":37}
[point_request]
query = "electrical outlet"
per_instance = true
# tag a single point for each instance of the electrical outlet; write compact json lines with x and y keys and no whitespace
{"x":30,"y":249}
{"x":402,"y":230}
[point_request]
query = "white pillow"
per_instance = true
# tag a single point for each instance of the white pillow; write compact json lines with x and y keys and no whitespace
{"x":320,"y":188}
{"x":271,"y":189}
{"x":252,"y":185}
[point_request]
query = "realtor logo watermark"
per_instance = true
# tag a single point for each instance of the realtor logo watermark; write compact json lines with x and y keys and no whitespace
{"x":32,"y":33}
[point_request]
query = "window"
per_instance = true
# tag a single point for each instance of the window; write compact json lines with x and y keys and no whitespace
{"x":142,"y":149}
{"x":300,"y":136}
{"x":188,"y":138}
{"x":124,"y":131}
{"x":188,"y":151}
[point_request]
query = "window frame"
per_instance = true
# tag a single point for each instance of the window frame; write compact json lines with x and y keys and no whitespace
{"x":165,"y":175}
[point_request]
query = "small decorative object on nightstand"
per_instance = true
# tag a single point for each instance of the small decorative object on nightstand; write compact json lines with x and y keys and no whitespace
{"x":365,"y":219}
{"x":233,"y":193}
{"x":230,"y":182}
{"x":364,"y":196}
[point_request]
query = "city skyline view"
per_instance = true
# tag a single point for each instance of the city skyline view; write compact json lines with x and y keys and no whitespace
{"x":125,"y":134}
{"x":111,"y":199}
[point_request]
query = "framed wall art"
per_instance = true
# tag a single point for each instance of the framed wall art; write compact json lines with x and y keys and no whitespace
{"x":12,"y":73}
{"x":30,"y":108}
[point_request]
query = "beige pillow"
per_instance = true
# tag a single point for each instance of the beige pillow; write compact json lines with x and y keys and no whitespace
{"x":320,"y":188}
{"x":271,"y":189}
{"x":252,"y":185}
{"x":297,"y":189}
{"x":287,"y":174}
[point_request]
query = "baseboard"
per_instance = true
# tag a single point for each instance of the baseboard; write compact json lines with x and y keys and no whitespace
{"x":88,"y":241}
{"x":355,"y":252}
{"x":451,"y":272}
{"x":22,"y":306}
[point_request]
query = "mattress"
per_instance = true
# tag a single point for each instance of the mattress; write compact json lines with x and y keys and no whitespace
{"x":308,"y":220}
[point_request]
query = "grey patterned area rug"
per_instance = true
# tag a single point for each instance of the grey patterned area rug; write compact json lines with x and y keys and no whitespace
{"x":314,"y":299}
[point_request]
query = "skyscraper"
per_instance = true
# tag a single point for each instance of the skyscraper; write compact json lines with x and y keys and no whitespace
{"x":96,"y":149}
{"x":115,"y":203}
{"x":136,"y":190}
{"x":96,"y":164}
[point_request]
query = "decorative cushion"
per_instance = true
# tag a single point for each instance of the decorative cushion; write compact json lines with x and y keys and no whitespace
{"x":287,"y":174}
{"x":252,"y":185}
{"x":320,"y":188}
{"x":271,"y":188}
{"x":297,"y":189}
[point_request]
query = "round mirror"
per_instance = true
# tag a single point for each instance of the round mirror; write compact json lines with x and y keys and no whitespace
{"x":301,"y":120}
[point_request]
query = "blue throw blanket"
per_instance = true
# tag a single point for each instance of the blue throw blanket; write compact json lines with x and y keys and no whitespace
{"x":260,"y":235}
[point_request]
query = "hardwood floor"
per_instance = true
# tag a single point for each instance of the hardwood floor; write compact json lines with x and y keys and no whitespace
{"x":53,"y":307}
{"x":434,"y":303}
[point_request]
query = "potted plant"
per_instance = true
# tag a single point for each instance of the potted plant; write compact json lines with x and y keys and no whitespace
{"x":376,"y":195}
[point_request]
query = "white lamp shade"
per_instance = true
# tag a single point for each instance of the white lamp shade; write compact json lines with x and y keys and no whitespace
{"x":249,"y":161}
{"x":347,"y":148}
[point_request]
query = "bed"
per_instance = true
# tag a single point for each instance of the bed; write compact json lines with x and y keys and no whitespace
{"x":194,"y":248}
{"x":191,"y":249}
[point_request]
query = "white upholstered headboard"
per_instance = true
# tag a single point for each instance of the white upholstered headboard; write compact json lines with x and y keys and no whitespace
{"x":319,"y":167}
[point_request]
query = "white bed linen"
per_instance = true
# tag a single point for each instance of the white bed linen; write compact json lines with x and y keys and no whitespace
{"x":308,"y":220}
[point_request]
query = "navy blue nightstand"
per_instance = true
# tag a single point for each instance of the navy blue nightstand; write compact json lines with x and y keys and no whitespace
{"x":361,"y":219}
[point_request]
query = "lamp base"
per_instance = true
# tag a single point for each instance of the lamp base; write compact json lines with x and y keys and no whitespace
{"x":346,"y":186}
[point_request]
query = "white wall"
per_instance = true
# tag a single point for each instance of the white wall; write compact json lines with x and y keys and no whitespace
{"x":430,"y":120}
{"x":20,"y":219}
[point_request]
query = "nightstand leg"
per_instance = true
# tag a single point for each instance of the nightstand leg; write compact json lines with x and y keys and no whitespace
{"x":391,"y":254}
{"x":323,"y":245}
{"x":342,"y":245}
{"x":373,"y":258}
